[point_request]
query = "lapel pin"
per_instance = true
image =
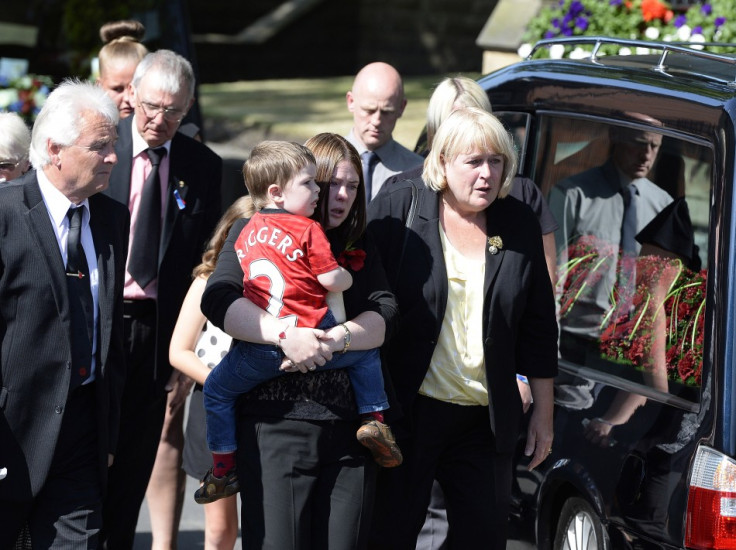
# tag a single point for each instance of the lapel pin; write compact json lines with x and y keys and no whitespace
{"x":182,"y":185}
{"x":494,"y":244}
{"x":180,"y":203}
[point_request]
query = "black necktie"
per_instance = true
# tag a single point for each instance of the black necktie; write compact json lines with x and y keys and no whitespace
{"x":627,"y":267}
{"x":143,"y":262}
{"x":628,"y":224}
{"x":80,"y":299}
{"x":369,"y":159}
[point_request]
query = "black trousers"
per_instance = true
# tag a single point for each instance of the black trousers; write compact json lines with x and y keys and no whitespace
{"x":453,"y":444}
{"x":141,"y":421}
{"x":305,"y":485}
{"x":67,"y":512}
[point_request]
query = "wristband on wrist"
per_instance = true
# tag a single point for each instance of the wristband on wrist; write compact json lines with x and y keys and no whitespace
{"x":347,"y":338}
{"x":522,"y":378}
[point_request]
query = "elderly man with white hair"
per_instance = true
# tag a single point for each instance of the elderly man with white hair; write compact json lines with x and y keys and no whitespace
{"x":62,"y":264}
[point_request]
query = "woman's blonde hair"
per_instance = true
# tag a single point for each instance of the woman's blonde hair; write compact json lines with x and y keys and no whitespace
{"x":466,"y":131}
{"x":241,"y":208}
{"x":122,"y":42}
{"x":450,"y":94}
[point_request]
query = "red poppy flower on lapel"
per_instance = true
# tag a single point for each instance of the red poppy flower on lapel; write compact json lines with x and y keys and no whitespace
{"x":352,"y":258}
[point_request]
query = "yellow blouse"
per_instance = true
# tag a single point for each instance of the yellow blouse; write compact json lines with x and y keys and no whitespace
{"x":457,"y":370}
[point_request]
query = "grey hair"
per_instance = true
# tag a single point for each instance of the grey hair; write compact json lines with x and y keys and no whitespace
{"x":15,"y":138}
{"x":60,"y":120}
{"x":168,"y":72}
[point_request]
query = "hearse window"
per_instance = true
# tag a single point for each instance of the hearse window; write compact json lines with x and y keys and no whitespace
{"x":631,"y":202}
{"x":518,"y":126}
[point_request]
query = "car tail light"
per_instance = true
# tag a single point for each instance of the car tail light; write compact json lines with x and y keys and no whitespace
{"x":711,"y":503}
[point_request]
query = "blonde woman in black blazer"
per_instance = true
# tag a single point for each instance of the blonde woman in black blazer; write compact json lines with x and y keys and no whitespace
{"x":467,"y":266}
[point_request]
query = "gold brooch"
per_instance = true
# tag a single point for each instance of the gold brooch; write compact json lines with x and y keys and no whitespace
{"x":494,"y":244}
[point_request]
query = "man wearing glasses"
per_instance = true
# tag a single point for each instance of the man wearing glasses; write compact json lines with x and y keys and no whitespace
{"x":171,"y":185}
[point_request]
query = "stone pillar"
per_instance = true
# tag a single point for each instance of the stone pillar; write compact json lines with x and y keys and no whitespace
{"x":502,"y":33}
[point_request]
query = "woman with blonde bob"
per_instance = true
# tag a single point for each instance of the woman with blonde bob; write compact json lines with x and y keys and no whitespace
{"x":467,"y":267}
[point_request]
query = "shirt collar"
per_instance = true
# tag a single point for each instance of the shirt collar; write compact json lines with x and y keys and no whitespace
{"x":140,"y":145}
{"x":382,"y":152}
{"x":56,"y":202}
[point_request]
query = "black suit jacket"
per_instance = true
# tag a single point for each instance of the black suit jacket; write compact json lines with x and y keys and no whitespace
{"x":519,"y":327}
{"x":195,"y":172}
{"x":35,"y":333}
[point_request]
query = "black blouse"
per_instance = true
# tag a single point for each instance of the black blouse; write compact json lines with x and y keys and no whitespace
{"x":325,"y":395}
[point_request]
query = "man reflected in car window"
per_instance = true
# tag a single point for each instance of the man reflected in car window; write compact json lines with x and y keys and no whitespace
{"x":599,"y":212}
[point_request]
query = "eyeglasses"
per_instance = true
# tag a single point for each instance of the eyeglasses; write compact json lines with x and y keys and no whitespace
{"x":8,"y":166}
{"x":170,"y":114}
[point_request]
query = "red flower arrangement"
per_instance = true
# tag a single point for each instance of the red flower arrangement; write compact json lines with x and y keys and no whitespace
{"x":589,"y":259}
{"x":352,"y":258}
{"x":664,"y":323}
{"x":658,"y":322}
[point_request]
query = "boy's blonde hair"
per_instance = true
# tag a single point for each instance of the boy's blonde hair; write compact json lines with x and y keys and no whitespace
{"x":273,"y":163}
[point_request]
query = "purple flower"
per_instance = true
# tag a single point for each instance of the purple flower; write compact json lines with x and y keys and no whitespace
{"x":576,"y":7}
{"x":556,"y":23}
{"x":680,"y":20}
{"x":567,"y":20}
{"x":614,"y":2}
{"x":706,"y":9}
{"x":561,"y":3}
{"x":697,"y":30}
{"x":567,"y":31}
{"x":581,"y":23}
{"x":550,"y":34}
{"x":719,"y":21}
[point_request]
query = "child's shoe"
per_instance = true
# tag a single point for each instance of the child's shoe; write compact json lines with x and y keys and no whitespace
{"x":214,"y":488}
{"x":378,"y":438}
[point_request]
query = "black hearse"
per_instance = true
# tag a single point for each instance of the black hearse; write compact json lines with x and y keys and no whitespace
{"x":645,"y":426}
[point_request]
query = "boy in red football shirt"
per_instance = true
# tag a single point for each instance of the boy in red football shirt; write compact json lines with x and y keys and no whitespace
{"x":288,"y":269}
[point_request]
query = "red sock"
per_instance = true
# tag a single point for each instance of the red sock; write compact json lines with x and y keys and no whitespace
{"x":375,"y":415}
{"x":224,"y":462}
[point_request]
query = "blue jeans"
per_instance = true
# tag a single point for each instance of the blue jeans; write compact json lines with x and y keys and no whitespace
{"x":247,"y":365}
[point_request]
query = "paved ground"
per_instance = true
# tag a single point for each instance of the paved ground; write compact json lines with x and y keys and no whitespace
{"x":191,"y":529}
{"x":191,"y":533}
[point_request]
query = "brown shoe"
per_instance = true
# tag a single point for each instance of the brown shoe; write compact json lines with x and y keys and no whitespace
{"x":378,"y":438}
{"x":214,"y":488}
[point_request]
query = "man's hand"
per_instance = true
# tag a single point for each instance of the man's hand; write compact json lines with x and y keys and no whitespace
{"x":179,"y":385}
